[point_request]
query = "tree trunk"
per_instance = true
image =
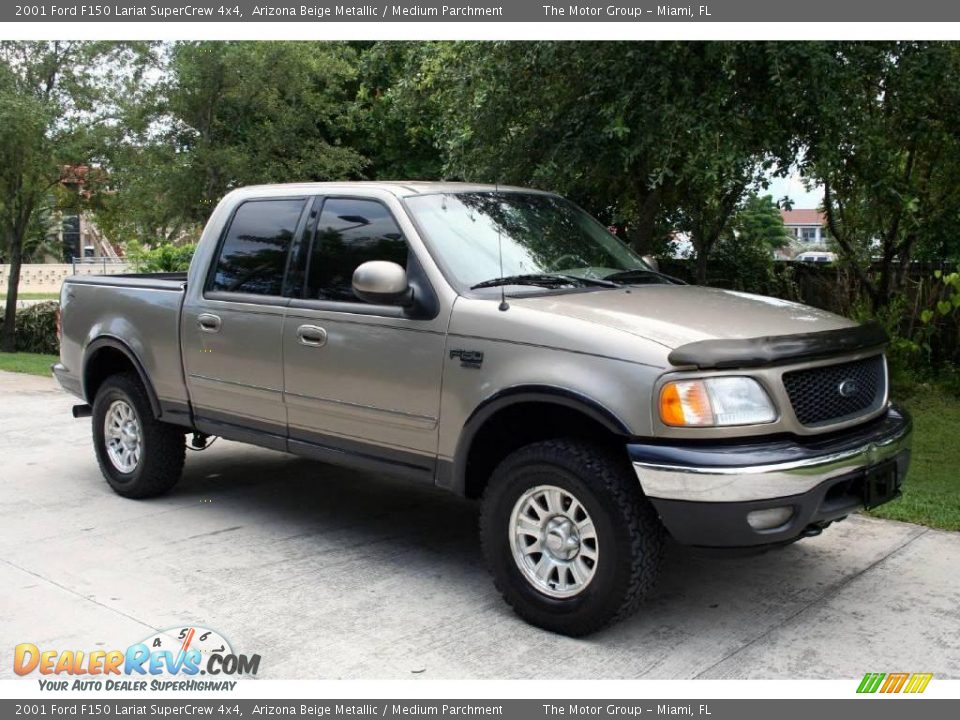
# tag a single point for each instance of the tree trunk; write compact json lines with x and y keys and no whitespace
{"x":701,"y":267}
{"x":884,"y":291}
{"x":702,"y":245}
{"x":847,"y":250}
{"x":642,"y":235}
{"x":9,"y":334}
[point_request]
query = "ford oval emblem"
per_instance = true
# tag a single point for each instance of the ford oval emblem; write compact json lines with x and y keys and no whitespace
{"x":848,"y":388}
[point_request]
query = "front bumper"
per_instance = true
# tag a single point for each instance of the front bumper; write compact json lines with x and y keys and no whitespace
{"x":704,"y":492}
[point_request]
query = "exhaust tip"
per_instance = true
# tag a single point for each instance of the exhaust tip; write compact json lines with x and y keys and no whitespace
{"x":82,"y":411}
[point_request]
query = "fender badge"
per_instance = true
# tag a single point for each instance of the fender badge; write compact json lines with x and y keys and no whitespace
{"x":468,"y":358}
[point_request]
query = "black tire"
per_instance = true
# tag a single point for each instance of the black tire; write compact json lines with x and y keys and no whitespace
{"x":628,"y":531}
{"x":163,"y":446}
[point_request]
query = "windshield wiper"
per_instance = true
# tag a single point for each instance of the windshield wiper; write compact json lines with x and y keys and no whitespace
{"x":543,"y":279}
{"x":637,"y":273}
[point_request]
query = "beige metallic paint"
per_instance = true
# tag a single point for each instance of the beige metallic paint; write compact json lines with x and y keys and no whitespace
{"x":391,"y":380}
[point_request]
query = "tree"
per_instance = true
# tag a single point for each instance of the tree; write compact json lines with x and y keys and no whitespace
{"x":571,"y":117}
{"x":55,"y":98}
{"x":743,"y":256}
{"x":228,"y":114}
{"x":886,"y":149}
{"x":394,"y":118}
{"x":649,"y":136}
{"x":759,"y":222}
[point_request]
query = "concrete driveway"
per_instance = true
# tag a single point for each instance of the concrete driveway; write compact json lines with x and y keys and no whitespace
{"x":332,"y":574}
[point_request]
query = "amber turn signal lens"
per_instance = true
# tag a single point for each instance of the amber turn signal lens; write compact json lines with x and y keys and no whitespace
{"x":671,"y":410}
{"x":685,"y":403}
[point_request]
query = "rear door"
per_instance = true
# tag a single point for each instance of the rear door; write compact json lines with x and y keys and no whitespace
{"x":231,"y":332}
{"x":361,"y":379}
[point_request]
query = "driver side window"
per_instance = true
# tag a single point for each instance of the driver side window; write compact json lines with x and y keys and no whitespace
{"x":350,"y":232}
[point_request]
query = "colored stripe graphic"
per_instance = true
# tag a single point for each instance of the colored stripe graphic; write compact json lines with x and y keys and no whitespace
{"x":870,"y":682}
{"x":918,"y":682}
{"x":894,"y":682}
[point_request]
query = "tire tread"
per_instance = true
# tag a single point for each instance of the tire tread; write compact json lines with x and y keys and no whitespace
{"x":165,"y":444}
{"x":600,"y":467}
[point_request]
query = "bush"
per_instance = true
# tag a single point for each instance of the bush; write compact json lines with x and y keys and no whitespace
{"x":37,"y":328}
{"x":162,"y":258}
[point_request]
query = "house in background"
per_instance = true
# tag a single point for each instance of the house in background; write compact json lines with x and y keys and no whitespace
{"x":76,"y":233}
{"x":807,"y":227}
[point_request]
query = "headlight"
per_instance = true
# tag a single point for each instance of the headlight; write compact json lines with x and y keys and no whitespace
{"x":715,"y":402}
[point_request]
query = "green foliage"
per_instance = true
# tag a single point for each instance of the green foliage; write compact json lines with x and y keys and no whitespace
{"x":162,"y":258}
{"x":950,"y":293}
{"x":57,"y":101}
{"x":395,"y":116}
{"x":759,"y":222}
{"x":36,"y":328}
{"x":882,"y":139}
{"x":924,"y":329}
{"x":647,"y":135}
{"x":652,"y":138}
{"x":223,"y":115}
{"x":743,"y":258}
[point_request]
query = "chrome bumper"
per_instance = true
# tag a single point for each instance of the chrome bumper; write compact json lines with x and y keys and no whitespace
{"x":764,"y":471}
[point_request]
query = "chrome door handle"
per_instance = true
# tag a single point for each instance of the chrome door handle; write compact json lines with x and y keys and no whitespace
{"x":208,"y":323}
{"x":312,"y":335}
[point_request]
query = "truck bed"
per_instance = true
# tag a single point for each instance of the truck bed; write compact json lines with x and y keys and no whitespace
{"x":138,"y":313}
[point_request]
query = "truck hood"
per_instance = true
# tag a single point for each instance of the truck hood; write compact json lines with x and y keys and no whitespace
{"x":674,"y":315}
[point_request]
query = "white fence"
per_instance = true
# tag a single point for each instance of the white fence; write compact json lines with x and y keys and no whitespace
{"x":48,"y":277}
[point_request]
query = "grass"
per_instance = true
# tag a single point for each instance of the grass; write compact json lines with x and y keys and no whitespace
{"x":931,"y":493}
{"x":30,"y":363}
{"x":33,"y":296}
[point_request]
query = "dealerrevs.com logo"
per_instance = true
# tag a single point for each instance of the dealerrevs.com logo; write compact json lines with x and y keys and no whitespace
{"x":173,"y":659}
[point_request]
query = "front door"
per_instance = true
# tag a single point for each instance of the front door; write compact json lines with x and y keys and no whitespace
{"x":360,"y":379}
{"x":231,"y":332}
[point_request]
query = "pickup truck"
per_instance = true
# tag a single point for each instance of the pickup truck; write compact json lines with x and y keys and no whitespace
{"x":499,"y":343}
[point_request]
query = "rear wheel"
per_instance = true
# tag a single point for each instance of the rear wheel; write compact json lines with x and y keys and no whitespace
{"x":571,"y":541}
{"x":138,"y":455}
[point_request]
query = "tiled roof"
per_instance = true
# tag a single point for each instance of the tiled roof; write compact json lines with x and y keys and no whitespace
{"x":803,"y":217}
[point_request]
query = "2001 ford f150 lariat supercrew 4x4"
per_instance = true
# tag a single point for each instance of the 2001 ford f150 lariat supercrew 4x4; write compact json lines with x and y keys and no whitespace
{"x":499,"y":343}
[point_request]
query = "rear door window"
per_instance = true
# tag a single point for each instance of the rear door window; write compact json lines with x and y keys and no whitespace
{"x":253,"y":255}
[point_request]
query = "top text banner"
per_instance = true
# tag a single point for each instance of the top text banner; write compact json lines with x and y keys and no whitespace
{"x":480,"y":11}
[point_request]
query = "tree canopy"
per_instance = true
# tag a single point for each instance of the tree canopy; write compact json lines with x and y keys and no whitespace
{"x":654,"y":138}
{"x":58,"y":101}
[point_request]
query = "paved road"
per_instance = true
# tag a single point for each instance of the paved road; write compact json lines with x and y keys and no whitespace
{"x":329,"y":574}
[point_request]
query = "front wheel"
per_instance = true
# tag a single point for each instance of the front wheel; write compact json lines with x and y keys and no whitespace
{"x":572,"y":543}
{"x":138,"y":455}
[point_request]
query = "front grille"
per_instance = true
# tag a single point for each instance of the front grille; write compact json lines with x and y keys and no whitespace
{"x":836,"y":392}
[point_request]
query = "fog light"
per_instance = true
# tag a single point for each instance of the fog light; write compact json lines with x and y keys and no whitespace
{"x":769,"y":518}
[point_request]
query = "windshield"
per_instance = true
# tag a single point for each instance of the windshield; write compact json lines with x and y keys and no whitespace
{"x":539,"y":235}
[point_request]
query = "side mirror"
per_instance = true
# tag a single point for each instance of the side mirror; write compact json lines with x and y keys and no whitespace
{"x":652,"y":262}
{"x":382,"y":283}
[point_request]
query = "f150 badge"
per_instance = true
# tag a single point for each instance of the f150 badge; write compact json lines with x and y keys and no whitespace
{"x":468,"y":358}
